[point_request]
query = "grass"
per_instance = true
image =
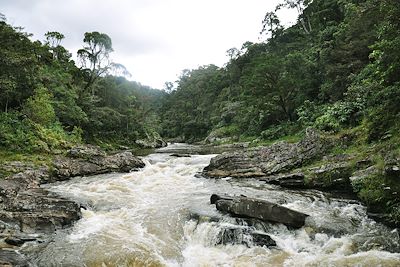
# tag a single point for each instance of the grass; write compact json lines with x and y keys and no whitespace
{"x":37,"y":159}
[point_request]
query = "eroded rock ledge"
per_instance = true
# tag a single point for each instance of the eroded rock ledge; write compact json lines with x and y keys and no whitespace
{"x":313,"y":164}
{"x":268,"y":160}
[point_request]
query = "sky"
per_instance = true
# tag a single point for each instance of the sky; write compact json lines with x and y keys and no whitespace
{"x":154,"y":39}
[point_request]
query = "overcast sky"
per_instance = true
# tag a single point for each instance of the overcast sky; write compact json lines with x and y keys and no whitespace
{"x":154,"y":39}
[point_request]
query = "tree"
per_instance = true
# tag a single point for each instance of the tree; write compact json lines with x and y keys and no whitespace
{"x":94,"y":56}
{"x":53,"y":39}
{"x":271,"y":23}
{"x":300,"y":6}
{"x":39,"y":109}
{"x":18,"y":66}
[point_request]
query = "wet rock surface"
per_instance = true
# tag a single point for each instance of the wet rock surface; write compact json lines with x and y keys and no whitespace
{"x":288,"y":180}
{"x":151,"y":141}
{"x":266,"y":161}
{"x":244,"y":236}
{"x":91,"y":160}
{"x":241,"y":231}
{"x":260,"y":209}
{"x":10,"y":257}
{"x":27,"y":210}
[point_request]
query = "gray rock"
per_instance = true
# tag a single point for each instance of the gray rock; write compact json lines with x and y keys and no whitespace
{"x":34,"y":209}
{"x":266,"y":161}
{"x":331,"y":176}
{"x":178,"y":155}
{"x":152,"y":140}
{"x":239,"y":231}
{"x":244,"y":236}
{"x":18,"y":241}
{"x":358,"y":176}
{"x":392,"y":166}
{"x":86,"y":152}
{"x":259,"y":209}
{"x":288,"y":180}
{"x":16,"y":166}
{"x":91,"y":163}
{"x":9,"y":257}
{"x":328,"y":176}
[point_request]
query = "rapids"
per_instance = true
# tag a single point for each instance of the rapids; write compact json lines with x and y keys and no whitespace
{"x":144,"y":219}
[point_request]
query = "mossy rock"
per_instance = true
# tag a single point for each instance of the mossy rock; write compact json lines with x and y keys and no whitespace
{"x":330,"y":176}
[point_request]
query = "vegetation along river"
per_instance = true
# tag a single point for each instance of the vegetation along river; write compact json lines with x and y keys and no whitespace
{"x":146,"y":218}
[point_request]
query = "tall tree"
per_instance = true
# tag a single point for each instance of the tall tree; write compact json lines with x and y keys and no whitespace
{"x":94,"y":56}
{"x":300,"y":6}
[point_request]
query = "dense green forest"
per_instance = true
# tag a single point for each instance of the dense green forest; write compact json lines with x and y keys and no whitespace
{"x":48,"y":102}
{"x":338,"y":67}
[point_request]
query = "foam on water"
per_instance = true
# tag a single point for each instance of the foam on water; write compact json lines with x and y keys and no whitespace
{"x":143,"y":219}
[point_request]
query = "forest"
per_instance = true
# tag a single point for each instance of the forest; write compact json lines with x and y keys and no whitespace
{"x":336,"y":69}
{"x":49,"y":102}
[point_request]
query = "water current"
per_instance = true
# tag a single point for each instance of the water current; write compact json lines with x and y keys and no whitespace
{"x":145,"y":218}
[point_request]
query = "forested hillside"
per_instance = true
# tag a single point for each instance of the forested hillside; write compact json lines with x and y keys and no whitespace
{"x":337,"y":68}
{"x":48,"y":102}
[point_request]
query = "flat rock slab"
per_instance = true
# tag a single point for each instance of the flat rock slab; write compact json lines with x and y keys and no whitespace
{"x":259,"y":209}
{"x":265,"y":161}
{"x":91,"y":164}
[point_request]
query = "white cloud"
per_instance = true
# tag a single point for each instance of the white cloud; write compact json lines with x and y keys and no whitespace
{"x":154,"y":39}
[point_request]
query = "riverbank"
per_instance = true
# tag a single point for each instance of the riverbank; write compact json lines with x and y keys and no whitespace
{"x":334,"y":163}
{"x":29,"y":213}
{"x":162,"y":216}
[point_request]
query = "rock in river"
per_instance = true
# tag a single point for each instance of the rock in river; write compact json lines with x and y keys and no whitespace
{"x":259,"y":209}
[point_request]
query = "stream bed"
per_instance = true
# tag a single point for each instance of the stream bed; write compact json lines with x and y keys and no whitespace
{"x":145,"y":218}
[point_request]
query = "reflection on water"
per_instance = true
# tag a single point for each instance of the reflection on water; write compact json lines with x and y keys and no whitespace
{"x":143,"y":219}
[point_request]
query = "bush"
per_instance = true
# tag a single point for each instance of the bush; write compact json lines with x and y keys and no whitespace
{"x":38,"y":107}
{"x":21,"y":134}
{"x":280,"y":130}
{"x":385,"y":113}
{"x":309,"y":112}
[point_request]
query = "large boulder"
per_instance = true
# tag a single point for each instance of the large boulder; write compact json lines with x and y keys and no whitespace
{"x":259,"y":209}
{"x":152,"y":140}
{"x":29,"y":213}
{"x":90,"y":161}
{"x":265,"y":161}
{"x":31,"y":208}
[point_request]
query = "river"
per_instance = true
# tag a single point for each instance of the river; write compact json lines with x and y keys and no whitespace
{"x":143,"y":218}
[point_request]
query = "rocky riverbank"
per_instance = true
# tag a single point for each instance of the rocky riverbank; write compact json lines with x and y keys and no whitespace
{"x":313,"y":164}
{"x":29,"y":213}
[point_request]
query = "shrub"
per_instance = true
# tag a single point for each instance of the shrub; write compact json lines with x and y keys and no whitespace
{"x":38,"y":107}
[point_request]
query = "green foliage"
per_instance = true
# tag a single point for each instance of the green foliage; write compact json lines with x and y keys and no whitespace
{"x":39,"y":109}
{"x":46,"y":105}
{"x":24,"y":135}
{"x":278,"y":131}
{"x":385,"y":113}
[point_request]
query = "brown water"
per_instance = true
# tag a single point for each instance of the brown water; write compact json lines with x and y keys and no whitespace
{"x":143,"y":219}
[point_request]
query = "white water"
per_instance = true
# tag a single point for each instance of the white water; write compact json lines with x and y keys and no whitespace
{"x":142,"y":219}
